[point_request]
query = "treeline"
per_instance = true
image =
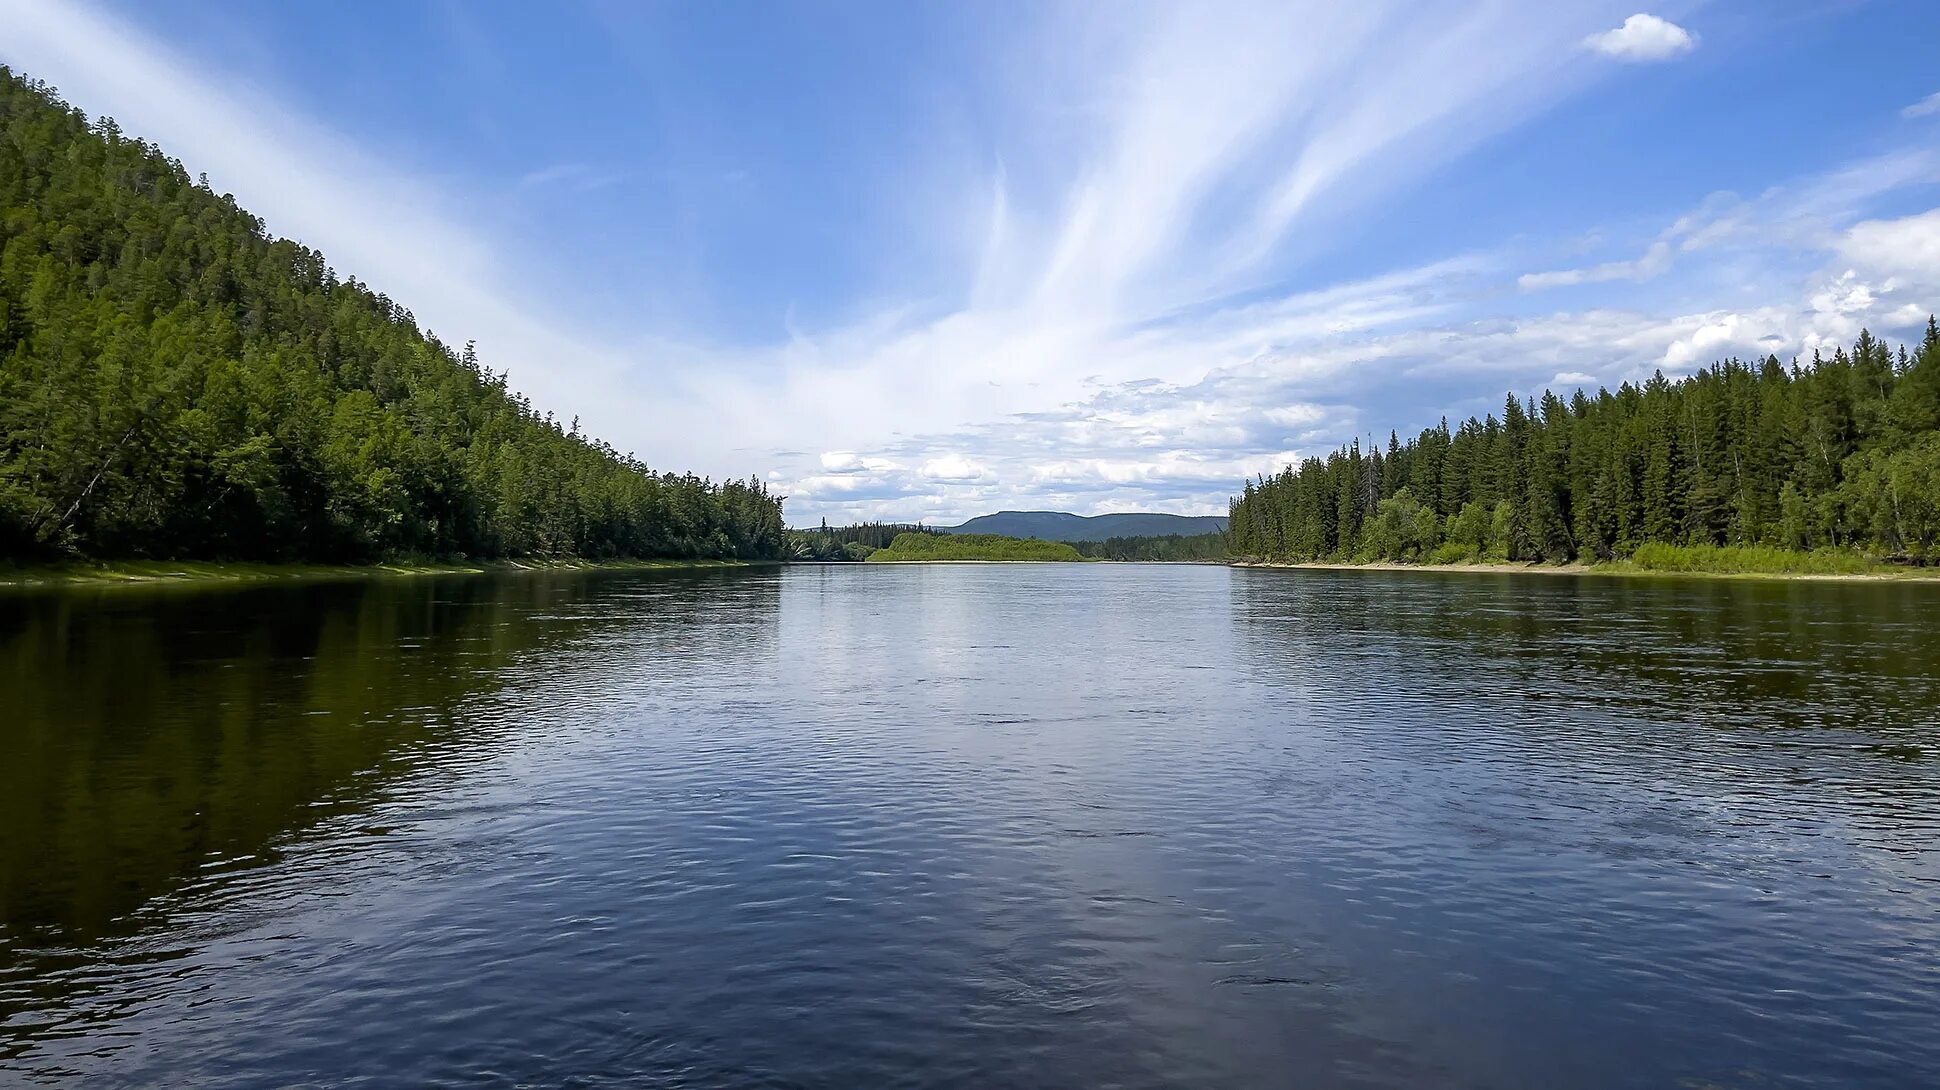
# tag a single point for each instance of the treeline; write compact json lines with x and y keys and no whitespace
{"x":914,"y":546}
{"x":838,"y":543}
{"x":1842,"y":453}
{"x":1159,"y":547}
{"x":174,"y":382}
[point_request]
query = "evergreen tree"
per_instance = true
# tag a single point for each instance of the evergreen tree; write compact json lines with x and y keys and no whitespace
{"x":1843,"y":451}
{"x":176,"y":382}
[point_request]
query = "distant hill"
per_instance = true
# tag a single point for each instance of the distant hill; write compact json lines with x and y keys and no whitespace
{"x":1064,"y":526}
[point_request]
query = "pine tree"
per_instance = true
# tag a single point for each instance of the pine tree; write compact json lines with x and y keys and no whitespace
{"x":175,"y":382}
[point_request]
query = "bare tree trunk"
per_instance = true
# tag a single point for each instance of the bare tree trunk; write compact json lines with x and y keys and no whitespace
{"x":98,"y":473}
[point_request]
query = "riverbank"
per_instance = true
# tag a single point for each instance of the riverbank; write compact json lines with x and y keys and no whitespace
{"x":1883,"y":573}
{"x":154,"y":572}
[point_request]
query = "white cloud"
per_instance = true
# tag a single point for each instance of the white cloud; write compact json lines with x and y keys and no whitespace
{"x":1906,"y":249}
{"x":1926,"y":107}
{"x":1654,"y":261}
{"x":954,"y":468}
{"x":1642,"y":39}
{"x":1802,"y":218}
{"x":1297,"y":376}
{"x":1185,"y":446}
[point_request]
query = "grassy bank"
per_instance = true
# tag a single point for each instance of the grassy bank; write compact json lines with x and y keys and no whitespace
{"x":1656,"y":559}
{"x":151,"y":572}
{"x":917,"y":548}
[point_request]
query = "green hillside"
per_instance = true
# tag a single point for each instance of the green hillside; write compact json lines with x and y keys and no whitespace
{"x":176,"y":382}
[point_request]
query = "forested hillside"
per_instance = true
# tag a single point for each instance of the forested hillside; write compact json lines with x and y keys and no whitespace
{"x":1839,"y":453}
{"x":175,"y":382}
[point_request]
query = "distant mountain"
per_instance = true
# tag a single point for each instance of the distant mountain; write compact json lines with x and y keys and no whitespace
{"x":1064,"y":526}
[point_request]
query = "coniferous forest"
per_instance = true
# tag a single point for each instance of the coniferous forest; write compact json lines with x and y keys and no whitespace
{"x":176,"y":383}
{"x":1169,"y":548}
{"x":1842,"y":453}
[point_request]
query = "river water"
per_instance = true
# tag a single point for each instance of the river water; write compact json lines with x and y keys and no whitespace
{"x":972,"y":826}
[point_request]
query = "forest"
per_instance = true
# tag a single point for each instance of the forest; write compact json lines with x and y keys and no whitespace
{"x":177,"y":383}
{"x":1837,"y":455}
{"x":1156,"y":547}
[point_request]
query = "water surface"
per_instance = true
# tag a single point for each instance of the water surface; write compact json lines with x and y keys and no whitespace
{"x":966,"y":826}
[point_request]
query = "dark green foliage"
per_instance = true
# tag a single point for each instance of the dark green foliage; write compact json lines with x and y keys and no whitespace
{"x":174,"y":382}
{"x":1657,"y":556}
{"x":1162,"y":547}
{"x":1842,"y":454}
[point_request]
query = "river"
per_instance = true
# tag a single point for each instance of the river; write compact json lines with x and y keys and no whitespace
{"x":972,"y":826}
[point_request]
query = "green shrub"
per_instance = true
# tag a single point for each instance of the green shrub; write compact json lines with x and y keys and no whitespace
{"x":1657,"y":556}
{"x":1453,"y":552}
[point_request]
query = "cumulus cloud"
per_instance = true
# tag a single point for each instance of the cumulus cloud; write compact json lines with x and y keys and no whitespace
{"x":1643,"y":39}
{"x":1926,"y":107}
{"x":1900,"y":250}
{"x":954,"y":468}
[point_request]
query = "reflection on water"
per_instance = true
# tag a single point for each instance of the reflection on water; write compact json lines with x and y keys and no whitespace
{"x":970,"y":826}
{"x":160,"y":740}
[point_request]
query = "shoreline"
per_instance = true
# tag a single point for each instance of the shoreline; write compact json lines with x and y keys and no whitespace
{"x":1621,"y":570}
{"x":155,"y":573}
{"x":966,"y":560}
{"x":152,"y":573}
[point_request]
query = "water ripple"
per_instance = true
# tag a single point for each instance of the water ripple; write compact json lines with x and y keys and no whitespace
{"x":1118,"y":826}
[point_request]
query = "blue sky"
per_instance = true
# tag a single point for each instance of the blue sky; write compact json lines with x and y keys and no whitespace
{"x":911,"y":260}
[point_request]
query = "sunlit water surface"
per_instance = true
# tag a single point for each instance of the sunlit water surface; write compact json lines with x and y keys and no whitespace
{"x":973,"y":826}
